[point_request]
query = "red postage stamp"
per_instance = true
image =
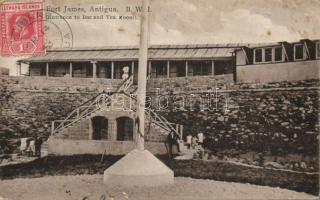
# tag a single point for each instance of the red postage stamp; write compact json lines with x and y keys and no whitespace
{"x":22,"y":29}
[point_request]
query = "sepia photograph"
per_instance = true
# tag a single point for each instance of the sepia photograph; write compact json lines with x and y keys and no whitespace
{"x":159,"y":99}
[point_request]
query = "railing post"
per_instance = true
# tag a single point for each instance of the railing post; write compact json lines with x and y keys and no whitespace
{"x":78,"y":113}
{"x":52,"y":127}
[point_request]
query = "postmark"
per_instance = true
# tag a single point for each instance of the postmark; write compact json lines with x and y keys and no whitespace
{"x":58,"y":32}
{"x":22,"y":29}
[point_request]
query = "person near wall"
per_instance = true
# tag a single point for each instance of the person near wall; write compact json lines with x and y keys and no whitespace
{"x":38,"y":144}
{"x":189,"y":137}
{"x":23,"y":145}
{"x":125,"y":73}
{"x":200,"y":138}
{"x":32,"y":147}
{"x":172,"y":140}
{"x":194,"y":141}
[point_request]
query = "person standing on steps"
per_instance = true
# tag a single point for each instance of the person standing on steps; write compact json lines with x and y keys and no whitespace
{"x":189,"y":137}
{"x":172,"y":140}
{"x":200,"y":138}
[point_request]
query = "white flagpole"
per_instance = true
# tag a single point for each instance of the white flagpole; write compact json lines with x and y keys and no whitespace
{"x":142,"y":73}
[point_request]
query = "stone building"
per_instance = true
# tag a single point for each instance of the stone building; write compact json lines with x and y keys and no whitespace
{"x":96,"y":126}
{"x":245,"y":62}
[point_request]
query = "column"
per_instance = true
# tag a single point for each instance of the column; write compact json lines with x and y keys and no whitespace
{"x":132,"y":68}
{"x":18,"y":68}
{"x":70,"y":70}
{"x":112,"y":69}
{"x":186,"y":68}
{"x":94,"y":67}
{"x":212,"y":67}
{"x":168,"y":69}
{"x":47,"y":69}
{"x":149,"y":69}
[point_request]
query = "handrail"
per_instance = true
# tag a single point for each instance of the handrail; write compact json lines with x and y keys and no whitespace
{"x":85,"y":110}
{"x":163,"y":120}
{"x":78,"y":114}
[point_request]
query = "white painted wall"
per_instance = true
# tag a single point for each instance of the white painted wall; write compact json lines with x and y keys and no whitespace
{"x":291,"y":71}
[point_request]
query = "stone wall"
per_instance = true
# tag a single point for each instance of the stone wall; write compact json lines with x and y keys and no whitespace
{"x":82,"y":130}
{"x":28,"y":104}
{"x":278,"y":119}
{"x":74,"y":147}
{"x":280,"y":116}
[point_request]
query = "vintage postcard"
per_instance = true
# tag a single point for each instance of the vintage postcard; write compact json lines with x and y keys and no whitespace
{"x":159,"y":99}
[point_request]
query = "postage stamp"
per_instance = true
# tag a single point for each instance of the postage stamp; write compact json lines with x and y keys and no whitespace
{"x":22,"y":29}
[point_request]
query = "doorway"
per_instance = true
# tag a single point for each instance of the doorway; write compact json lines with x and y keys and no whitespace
{"x":124,"y":128}
{"x":99,"y":128}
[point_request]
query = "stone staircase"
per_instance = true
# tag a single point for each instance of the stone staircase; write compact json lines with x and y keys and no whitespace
{"x":76,"y":124}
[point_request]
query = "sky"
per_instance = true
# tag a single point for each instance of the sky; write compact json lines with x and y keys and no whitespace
{"x":190,"y":22}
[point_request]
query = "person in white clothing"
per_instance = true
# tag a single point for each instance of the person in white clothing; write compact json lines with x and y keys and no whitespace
{"x":23,"y":144}
{"x":32,"y":148}
{"x":189,"y":137}
{"x":200,"y":138}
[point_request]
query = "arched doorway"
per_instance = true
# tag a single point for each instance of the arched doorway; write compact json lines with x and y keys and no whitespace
{"x":124,"y":128}
{"x":99,"y":128}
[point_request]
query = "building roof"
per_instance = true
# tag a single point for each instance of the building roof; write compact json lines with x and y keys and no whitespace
{"x":156,"y":52}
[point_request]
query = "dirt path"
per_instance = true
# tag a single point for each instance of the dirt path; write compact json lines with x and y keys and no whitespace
{"x":91,"y":186}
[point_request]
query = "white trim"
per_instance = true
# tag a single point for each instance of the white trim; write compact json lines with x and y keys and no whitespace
{"x":254,"y":56}
{"x":273,"y":60}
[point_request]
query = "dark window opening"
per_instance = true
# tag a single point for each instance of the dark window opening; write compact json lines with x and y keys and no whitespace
{"x":201,"y":68}
{"x":258,"y":55}
{"x":268,"y":54}
{"x":124,"y":128}
{"x":298,"y":51}
{"x":135,"y":72}
{"x":318,"y":49}
{"x":223,"y":67}
{"x":278,"y":54}
{"x":104,"y":69}
{"x":159,"y":69}
{"x":99,"y":128}
{"x":59,"y":69}
{"x":177,"y":68}
{"x":43,"y":70}
{"x":82,"y":69}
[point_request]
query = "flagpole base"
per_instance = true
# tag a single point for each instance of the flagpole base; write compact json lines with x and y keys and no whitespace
{"x":138,"y":168}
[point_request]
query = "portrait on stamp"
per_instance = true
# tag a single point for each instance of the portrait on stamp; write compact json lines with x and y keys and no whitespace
{"x":22,"y":29}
